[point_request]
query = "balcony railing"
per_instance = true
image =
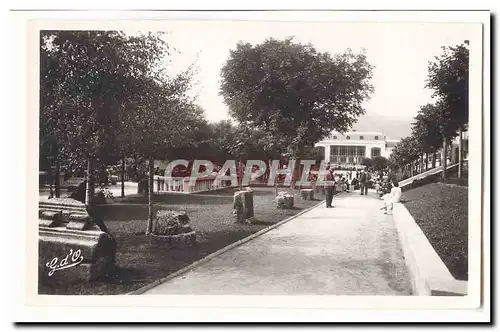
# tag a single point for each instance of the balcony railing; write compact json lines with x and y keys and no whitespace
{"x":183,"y":185}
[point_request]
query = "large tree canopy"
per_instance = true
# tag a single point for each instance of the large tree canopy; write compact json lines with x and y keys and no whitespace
{"x":86,"y":78}
{"x":295,"y":92}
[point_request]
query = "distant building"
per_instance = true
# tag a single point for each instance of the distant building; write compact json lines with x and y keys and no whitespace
{"x":352,"y":147}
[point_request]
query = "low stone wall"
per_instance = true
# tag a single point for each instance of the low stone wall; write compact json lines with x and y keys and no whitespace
{"x":429,"y":274}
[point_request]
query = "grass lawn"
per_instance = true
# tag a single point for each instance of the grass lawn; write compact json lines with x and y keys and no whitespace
{"x":441,"y":211}
{"x":211,"y":216}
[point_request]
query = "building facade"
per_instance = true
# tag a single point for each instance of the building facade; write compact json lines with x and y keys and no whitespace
{"x":352,"y":147}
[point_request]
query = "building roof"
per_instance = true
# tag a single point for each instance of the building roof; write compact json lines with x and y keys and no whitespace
{"x":358,"y":132}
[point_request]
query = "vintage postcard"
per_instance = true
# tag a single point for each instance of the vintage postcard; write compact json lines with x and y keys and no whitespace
{"x":282,"y":159}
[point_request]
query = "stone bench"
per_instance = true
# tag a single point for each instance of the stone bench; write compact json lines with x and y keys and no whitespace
{"x":307,"y":194}
{"x":71,"y":247}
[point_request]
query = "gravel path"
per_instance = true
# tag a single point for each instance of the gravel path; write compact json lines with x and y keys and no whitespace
{"x":351,"y":249}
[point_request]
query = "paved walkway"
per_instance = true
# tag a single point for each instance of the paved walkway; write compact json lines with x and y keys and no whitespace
{"x":351,"y":249}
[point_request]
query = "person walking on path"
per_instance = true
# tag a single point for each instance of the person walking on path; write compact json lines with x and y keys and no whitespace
{"x":363,"y":183}
{"x":329,"y":187}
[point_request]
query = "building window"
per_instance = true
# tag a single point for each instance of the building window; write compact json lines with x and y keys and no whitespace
{"x":361,"y":137}
{"x":348,"y":137}
{"x":375,"y":152}
{"x":376,"y":137}
{"x":342,"y":154}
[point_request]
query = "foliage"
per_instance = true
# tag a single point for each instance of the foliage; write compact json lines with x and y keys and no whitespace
{"x":221,"y":141}
{"x":405,"y":151}
{"x":294,"y":92}
{"x":167,"y":221}
{"x":86,"y":79}
{"x":379,"y":163}
{"x":315,"y":153}
{"x":427,"y":128}
{"x":162,"y":119}
{"x":449,"y":78}
{"x":366,"y":162}
{"x":101,"y":195}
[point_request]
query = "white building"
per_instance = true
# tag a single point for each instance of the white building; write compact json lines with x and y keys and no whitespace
{"x":352,"y":147}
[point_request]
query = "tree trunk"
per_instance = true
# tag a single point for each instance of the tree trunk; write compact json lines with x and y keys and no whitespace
{"x":50,"y":179}
{"x":123,"y":177}
{"x":421,"y":166}
{"x":58,"y":180}
{"x":150,"y":195}
{"x":88,"y":192}
{"x":296,"y":173}
{"x":426,"y":161}
{"x":460,"y":155}
{"x":434,"y":158}
{"x":443,"y":157}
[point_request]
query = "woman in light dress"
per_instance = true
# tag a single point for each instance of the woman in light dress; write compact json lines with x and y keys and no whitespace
{"x":393,"y":197}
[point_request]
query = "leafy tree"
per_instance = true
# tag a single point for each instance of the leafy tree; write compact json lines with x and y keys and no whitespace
{"x":428,"y":128}
{"x":162,"y":118}
{"x":366,"y":162}
{"x":405,"y":152}
{"x":315,"y":153}
{"x":449,"y":78}
{"x":87,"y":77}
{"x":293,"y":91}
{"x":379,"y":163}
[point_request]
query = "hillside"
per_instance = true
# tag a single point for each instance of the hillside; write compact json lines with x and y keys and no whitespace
{"x":395,"y":127}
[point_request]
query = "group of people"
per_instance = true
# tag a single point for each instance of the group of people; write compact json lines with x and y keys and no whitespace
{"x":384,"y":183}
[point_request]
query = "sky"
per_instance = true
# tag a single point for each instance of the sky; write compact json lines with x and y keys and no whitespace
{"x":400,"y":53}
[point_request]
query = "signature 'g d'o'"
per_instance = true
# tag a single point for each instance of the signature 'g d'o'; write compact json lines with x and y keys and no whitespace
{"x":72,"y":259}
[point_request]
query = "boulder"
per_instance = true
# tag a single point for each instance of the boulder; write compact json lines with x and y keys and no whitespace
{"x":243,"y":205}
{"x":307,"y":194}
{"x":284,"y":200}
{"x":172,"y":230}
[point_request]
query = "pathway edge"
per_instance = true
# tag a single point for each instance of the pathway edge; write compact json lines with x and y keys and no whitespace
{"x":429,"y":275}
{"x":203,"y":260}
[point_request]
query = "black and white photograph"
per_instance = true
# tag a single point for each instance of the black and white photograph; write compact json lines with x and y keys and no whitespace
{"x":253,"y":156}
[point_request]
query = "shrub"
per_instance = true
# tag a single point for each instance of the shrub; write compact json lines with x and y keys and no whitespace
{"x":101,"y":195}
{"x":168,"y":222}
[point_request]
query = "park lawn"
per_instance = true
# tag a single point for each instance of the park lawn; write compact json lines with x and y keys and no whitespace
{"x":210,"y":216}
{"x":441,"y":211}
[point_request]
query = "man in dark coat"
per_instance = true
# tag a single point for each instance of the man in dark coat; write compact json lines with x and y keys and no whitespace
{"x":329,"y":187}
{"x":363,"y":183}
